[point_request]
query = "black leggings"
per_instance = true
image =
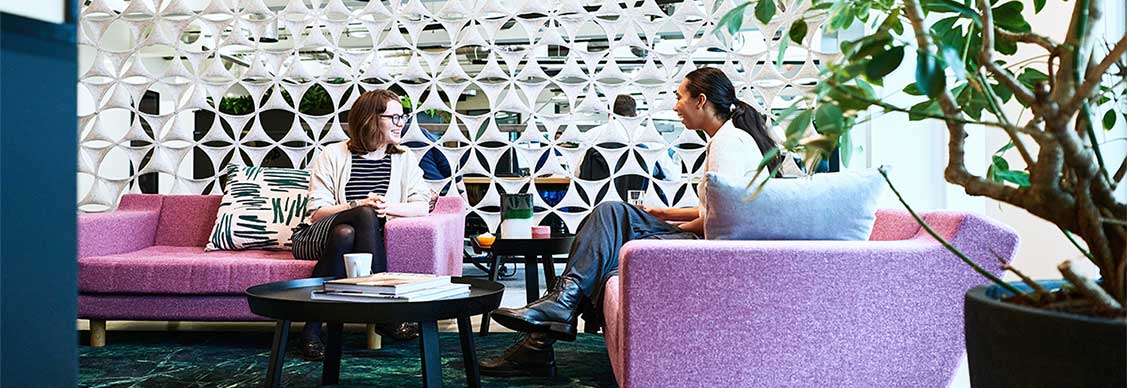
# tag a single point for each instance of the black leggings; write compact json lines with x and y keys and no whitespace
{"x":356,"y":230}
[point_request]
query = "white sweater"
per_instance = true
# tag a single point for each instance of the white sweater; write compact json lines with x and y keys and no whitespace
{"x":332,"y":169}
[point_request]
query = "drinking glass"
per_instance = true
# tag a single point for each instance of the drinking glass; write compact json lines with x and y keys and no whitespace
{"x":635,"y":197}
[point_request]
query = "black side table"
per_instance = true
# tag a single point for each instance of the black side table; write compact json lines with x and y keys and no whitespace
{"x":533,"y":250}
{"x":289,"y":301}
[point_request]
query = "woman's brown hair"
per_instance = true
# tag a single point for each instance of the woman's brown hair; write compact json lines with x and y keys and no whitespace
{"x":364,"y":132}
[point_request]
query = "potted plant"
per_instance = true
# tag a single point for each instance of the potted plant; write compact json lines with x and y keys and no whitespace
{"x":1071,"y":332}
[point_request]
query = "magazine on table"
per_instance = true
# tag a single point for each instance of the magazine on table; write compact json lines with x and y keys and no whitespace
{"x":434,"y":293}
{"x":394,"y":283}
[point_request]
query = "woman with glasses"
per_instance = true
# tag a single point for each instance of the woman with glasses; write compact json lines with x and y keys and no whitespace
{"x":354,"y":187}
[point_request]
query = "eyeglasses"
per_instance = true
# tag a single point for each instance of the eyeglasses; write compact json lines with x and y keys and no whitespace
{"x":398,"y":119}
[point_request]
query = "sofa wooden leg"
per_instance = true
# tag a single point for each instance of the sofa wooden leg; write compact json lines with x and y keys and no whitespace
{"x":374,"y":340}
{"x":97,"y":333}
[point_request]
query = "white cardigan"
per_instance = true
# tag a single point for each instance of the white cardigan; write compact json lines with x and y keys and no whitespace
{"x":330,"y":172}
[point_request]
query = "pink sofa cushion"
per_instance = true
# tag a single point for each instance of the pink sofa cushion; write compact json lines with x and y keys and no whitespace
{"x":186,"y":220}
{"x":187,"y":270}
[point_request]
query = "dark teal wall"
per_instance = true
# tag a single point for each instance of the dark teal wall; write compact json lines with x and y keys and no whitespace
{"x":38,"y":146}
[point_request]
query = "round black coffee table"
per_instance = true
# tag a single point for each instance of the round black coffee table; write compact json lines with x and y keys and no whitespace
{"x":289,"y":301}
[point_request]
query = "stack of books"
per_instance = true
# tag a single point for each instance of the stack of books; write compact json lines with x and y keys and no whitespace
{"x":391,"y":286}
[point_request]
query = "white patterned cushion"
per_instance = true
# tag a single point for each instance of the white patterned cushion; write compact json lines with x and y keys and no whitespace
{"x":260,"y":209}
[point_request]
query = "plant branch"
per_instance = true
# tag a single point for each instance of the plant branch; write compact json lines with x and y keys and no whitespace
{"x":986,"y":58}
{"x":992,"y":98}
{"x":1088,"y":287}
{"x":1038,"y":289}
{"x":1095,"y":76}
{"x":1076,"y":244}
{"x":1027,"y":37}
{"x":1119,"y":174}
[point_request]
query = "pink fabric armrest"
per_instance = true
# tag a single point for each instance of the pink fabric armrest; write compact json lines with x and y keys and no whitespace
{"x":431,"y":244}
{"x":102,"y":234}
{"x":796,"y":313}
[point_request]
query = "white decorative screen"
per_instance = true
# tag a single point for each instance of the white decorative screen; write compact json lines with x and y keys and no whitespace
{"x":173,"y":90}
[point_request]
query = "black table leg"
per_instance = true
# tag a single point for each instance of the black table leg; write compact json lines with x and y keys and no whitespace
{"x":330,"y":367}
{"x":531,"y":279}
{"x":493,"y":269}
{"x":278,"y":354}
{"x":549,"y":271}
{"x":428,"y":349}
{"x":469,"y":354}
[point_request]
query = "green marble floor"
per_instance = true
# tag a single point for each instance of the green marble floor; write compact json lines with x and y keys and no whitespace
{"x":238,"y":359}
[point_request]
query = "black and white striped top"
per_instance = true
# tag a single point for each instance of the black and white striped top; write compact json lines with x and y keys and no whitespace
{"x":368,"y":176}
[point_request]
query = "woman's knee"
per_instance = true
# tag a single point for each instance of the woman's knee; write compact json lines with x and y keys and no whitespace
{"x":610,"y":207}
{"x":364,"y":213}
{"x":342,"y":235}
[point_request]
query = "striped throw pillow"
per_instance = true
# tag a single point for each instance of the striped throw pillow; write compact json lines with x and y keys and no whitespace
{"x":260,"y":209}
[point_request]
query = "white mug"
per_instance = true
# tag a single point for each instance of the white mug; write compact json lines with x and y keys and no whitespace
{"x":357,"y":264}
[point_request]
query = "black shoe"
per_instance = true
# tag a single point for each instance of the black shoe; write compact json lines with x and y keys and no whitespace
{"x":531,"y":356}
{"x":402,"y":331}
{"x":556,"y":314}
{"x":312,"y":349}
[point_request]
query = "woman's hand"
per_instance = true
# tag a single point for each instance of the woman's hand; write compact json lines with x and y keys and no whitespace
{"x":376,"y":202}
{"x":660,"y":213}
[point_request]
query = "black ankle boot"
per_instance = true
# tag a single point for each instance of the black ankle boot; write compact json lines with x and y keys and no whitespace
{"x":556,"y":314}
{"x":531,"y":356}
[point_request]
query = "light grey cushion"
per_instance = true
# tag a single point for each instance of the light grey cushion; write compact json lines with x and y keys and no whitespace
{"x":827,"y":206}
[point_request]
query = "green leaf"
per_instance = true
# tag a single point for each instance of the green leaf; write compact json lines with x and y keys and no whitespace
{"x":871,"y":45}
{"x":892,"y":22}
{"x":1109,"y":119}
{"x":1008,"y":17}
{"x":768,"y":157}
{"x":821,"y":6}
{"x":1020,"y":178}
{"x":952,"y":6}
{"x":955,"y":62}
{"x":782,"y":53}
{"x":1038,"y":5}
{"x":1000,"y":163}
{"x":765,"y":10}
{"x":1003,"y":93}
{"x":912,"y":90}
{"x":868,"y":89}
{"x":929,"y":75}
{"x":828,"y":119}
{"x":1005,"y":47}
{"x":797,"y":127}
{"x":733,"y":20}
{"x":849,"y":97}
{"x":884,"y":62}
{"x":1009,"y":145}
{"x":1031,"y":76}
{"x":929,"y":107}
{"x":798,"y":31}
{"x":845,"y":148}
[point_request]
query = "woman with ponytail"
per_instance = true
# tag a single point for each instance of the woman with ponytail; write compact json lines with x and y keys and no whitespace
{"x":738,"y":139}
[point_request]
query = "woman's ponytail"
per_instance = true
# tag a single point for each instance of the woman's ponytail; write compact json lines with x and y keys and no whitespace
{"x":746,"y":118}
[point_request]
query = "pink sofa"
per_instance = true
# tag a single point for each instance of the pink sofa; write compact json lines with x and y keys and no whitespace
{"x":146,"y":260}
{"x":880,"y":313}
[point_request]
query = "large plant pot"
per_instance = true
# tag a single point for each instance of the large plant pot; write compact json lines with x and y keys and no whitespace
{"x":1016,"y":346}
